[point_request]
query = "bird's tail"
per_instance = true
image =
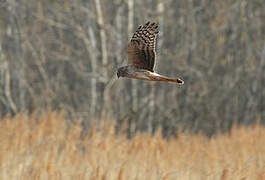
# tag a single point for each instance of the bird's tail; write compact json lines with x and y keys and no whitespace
{"x":158,"y":77}
{"x":175,"y":80}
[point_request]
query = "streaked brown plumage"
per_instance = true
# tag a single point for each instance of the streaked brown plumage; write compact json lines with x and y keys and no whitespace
{"x":142,"y":56}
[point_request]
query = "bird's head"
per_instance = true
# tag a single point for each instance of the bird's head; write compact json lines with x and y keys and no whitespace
{"x":121,"y":72}
{"x":118,"y":73}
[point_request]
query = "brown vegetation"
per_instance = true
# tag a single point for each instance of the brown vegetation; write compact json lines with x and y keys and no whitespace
{"x":64,"y":55}
{"x":47,"y":147}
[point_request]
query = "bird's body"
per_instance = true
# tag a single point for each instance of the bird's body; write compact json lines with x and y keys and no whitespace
{"x":143,"y":74}
{"x":141,"y":54}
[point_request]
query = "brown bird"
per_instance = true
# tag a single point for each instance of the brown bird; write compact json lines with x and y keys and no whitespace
{"x":142,"y":56}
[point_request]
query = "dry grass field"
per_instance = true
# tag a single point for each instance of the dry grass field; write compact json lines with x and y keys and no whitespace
{"x":49,"y":149}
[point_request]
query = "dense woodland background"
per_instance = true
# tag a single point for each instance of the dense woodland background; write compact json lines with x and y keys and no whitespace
{"x":63,"y":55}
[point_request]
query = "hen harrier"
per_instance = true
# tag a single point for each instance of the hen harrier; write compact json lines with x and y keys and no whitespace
{"x":141,"y":54}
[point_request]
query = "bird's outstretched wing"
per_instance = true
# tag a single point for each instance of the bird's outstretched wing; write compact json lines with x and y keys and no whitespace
{"x":141,"y":49}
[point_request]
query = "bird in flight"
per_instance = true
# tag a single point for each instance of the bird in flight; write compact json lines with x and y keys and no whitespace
{"x":142,"y":56}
